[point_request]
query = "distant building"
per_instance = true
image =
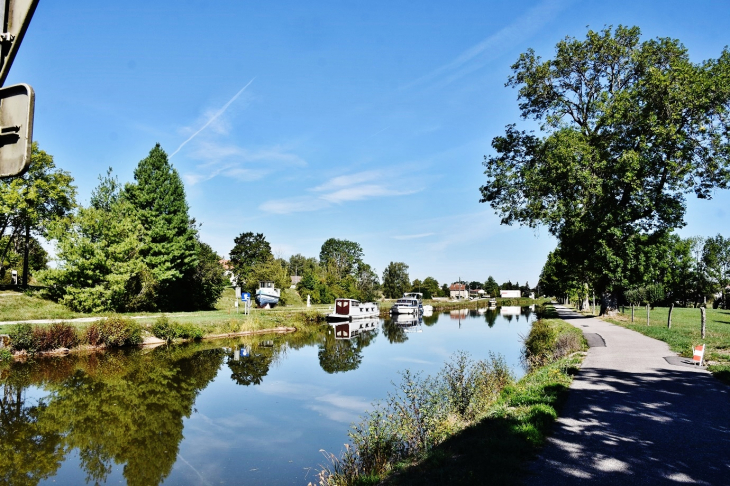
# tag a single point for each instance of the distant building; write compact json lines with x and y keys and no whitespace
{"x":458,"y":291}
{"x":228,"y":270}
{"x":510,"y":294}
{"x":295,"y":280}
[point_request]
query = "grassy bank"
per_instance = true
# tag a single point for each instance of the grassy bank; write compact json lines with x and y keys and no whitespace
{"x":685,"y":333}
{"x":470,"y":424}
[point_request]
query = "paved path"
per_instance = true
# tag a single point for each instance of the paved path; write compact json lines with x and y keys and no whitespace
{"x":633,"y":418}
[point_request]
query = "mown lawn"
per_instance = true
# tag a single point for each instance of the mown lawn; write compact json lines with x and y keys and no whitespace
{"x":17,"y":306}
{"x":685,"y":333}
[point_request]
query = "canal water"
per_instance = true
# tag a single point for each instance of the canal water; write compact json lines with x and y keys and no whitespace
{"x":253,"y":410}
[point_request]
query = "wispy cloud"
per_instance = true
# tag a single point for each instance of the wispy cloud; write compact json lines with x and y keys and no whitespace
{"x":231,"y":161}
{"x":494,"y":46}
{"x":412,"y":237}
{"x":337,"y":190}
{"x":213,"y":118}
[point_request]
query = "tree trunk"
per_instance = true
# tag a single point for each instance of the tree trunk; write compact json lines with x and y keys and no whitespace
{"x":704,"y":321}
{"x":669,"y":319}
{"x":25,"y":257}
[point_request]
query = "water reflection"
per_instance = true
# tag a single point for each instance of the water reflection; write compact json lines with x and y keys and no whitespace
{"x":342,"y":348}
{"x":110,"y":408}
{"x":119,"y":416}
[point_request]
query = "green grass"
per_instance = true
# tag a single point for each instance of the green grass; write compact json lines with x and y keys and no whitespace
{"x":496,"y":449}
{"x":15,"y":306}
{"x":685,"y":333}
{"x":18,"y":306}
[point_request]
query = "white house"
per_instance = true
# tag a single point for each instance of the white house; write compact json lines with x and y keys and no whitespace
{"x":458,"y":291}
{"x":510,"y":294}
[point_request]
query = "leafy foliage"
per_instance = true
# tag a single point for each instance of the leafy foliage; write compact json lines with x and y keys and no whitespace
{"x":249,"y":250}
{"x":169,"y":246}
{"x":35,"y":200}
{"x":629,"y":127}
{"x":396,"y":280}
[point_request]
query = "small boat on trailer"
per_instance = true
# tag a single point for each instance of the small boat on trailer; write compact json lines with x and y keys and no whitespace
{"x":267,"y":295}
{"x":349,"y":309}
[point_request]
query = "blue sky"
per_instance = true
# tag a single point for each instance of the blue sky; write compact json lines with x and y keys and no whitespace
{"x":365,"y":121}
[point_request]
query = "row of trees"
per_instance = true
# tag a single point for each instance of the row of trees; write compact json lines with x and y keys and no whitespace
{"x":133,"y":248}
{"x":628,"y":128}
{"x":339,"y":271}
{"x":685,"y":271}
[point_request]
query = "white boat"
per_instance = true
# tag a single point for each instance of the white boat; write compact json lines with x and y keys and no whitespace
{"x":349,"y":309}
{"x":418,"y":295}
{"x":348,"y":330}
{"x":267,"y":295}
{"x":406,"y":306}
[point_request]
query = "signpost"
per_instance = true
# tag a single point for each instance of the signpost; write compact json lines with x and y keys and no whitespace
{"x":246,"y":299}
{"x":17,"y":103}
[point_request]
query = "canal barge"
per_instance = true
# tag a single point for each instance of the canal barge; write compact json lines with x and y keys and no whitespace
{"x":350,"y":309}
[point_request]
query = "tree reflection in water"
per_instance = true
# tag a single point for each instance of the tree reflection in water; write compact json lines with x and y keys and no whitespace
{"x":30,"y":447}
{"x":341,"y":355}
{"x":393,"y":332}
{"x":250,"y":370}
{"x":114,"y":408}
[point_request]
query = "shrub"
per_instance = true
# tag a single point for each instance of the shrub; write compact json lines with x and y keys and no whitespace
{"x":21,"y":337}
{"x":120,"y":331}
{"x":163,"y":329}
{"x":92,"y":335}
{"x":5,"y":355}
{"x":421,"y":414}
{"x":188,"y":331}
{"x":539,"y":343}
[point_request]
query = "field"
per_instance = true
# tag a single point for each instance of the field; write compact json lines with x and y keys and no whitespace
{"x":685,"y":333}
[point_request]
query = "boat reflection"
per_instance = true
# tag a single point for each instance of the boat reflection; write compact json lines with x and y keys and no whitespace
{"x":408,"y":322}
{"x":511,"y":310}
{"x":348,"y":330}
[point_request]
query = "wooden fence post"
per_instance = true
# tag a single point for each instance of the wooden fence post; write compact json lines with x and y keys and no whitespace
{"x":647,"y":314}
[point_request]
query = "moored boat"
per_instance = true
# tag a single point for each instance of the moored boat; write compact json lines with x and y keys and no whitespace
{"x":405,"y":305}
{"x":349,"y":309}
{"x":425,"y":309}
{"x":267,"y":295}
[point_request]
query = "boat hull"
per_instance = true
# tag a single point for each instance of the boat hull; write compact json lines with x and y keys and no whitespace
{"x":263,"y":299}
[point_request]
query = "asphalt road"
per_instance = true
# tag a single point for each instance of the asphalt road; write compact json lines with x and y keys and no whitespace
{"x":632,"y":417}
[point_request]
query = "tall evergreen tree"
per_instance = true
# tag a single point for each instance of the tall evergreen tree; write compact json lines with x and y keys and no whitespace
{"x":170,"y":250}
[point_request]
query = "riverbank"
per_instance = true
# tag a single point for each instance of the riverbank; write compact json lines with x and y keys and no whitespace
{"x":496,"y":442}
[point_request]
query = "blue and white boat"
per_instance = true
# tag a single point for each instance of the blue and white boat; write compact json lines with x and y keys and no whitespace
{"x":267,"y":295}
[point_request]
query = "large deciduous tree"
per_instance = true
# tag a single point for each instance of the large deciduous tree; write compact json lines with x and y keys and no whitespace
{"x":343,"y":255}
{"x":396,"y":280}
{"x":628,"y":129}
{"x":170,"y":247}
{"x":30,"y":203}
{"x":249,"y":250}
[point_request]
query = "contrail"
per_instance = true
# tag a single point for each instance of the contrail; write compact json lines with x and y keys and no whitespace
{"x":213,"y":118}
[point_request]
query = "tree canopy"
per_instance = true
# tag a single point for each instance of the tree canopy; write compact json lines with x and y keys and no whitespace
{"x":628,"y":129}
{"x":249,"y":250}
{"x":41,"y":196}
{"x":395,"y":280}
{"x":343,"y":255}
